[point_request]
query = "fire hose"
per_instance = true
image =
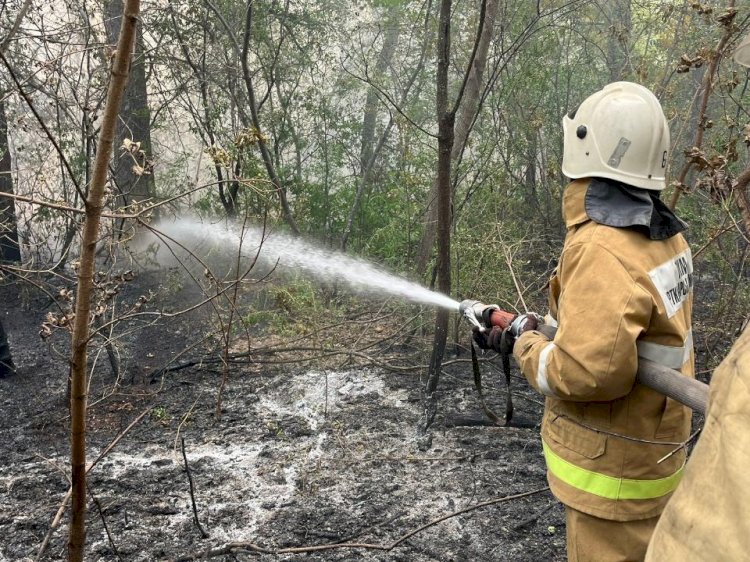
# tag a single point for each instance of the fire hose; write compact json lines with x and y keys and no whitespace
{"x":673,"y":384}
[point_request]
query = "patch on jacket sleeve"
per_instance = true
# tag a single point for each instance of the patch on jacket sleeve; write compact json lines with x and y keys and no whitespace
{"x":674,"y":281}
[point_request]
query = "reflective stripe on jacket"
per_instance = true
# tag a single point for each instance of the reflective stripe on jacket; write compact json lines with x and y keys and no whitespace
{"x":616,"y":295}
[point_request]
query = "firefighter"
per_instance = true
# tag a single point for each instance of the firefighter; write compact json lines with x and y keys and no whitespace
{"x":622,"y":290}
{"x":706,"y":519}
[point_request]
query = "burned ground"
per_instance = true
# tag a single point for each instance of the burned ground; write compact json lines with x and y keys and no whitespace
{"x":301,"y":456}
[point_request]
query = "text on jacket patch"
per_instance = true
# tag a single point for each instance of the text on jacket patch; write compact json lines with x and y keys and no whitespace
{"x":674,"y":281}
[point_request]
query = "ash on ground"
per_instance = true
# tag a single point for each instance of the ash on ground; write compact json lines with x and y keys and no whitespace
{"x":297,"y":458}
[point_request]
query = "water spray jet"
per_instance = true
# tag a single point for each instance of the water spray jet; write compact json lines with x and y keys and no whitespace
{"x":287,"y":253}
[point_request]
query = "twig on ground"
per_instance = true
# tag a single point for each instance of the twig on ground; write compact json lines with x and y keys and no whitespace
{"x":204,"y":534}
{"x":183,"y":421}
{"x":369,"y":528}
{"x":532,"y":518}
{"x":104,"y":522}
{"x":230,"y":548}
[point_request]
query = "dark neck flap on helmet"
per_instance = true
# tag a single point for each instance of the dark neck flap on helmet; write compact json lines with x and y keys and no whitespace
{"x":620,"y":205}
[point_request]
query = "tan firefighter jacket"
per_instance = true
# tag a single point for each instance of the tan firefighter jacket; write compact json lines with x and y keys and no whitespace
{"x":616,"y":295}
{"x":707,"y":518}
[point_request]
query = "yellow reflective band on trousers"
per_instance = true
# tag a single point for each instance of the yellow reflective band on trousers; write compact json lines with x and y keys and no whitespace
{"x":608,"y":486}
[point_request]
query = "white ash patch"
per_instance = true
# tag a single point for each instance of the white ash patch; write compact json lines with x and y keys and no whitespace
{"x":316,"y":393}
{"x":117,"y":464}
{"x":239,"y":476}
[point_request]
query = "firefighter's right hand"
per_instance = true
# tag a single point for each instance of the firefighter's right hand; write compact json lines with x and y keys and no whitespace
{"x":503,"y":340}
{"x":525,"y":322}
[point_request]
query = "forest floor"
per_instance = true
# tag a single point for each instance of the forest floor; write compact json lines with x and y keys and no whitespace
{"x":301,"y":457}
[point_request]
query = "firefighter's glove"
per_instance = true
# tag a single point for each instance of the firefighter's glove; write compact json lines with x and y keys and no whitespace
{"x":525,"y":322}
{"x":522,"y":323}
{"x":496,"y":339}
{"x":503,"y":341}
{"x":481,"y":339}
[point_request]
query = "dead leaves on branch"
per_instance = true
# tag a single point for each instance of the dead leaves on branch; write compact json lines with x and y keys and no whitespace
{"x":697,"y":157}
{"x":715,"y":178}
{"x":106,"y":286}
{"x":248,"y":137}
{"x":717,"y":184}
{"x":142,"y":165}
{"x":725,"y":20}
{"x":220,"y":156}
{"x":703,"y":9}
{"x":687,"y":62}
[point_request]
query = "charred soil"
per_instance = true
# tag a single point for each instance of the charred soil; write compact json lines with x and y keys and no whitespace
{"x":301,"y":456}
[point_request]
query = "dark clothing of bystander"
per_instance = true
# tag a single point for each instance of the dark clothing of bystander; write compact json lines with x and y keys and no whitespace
{"x":7,"y":367}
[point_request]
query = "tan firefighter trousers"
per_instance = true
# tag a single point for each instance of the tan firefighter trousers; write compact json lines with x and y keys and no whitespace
{"x":591,"y":539}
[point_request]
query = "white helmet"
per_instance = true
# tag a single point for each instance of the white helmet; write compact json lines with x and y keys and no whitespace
{"x":619,"y":133}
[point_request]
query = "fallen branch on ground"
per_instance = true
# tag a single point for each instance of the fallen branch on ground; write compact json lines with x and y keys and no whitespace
{"x":204,"y":534}
{"x":100,"y":509}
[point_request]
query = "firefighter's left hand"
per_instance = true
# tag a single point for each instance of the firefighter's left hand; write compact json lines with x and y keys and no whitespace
{"x":481,"y":339}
